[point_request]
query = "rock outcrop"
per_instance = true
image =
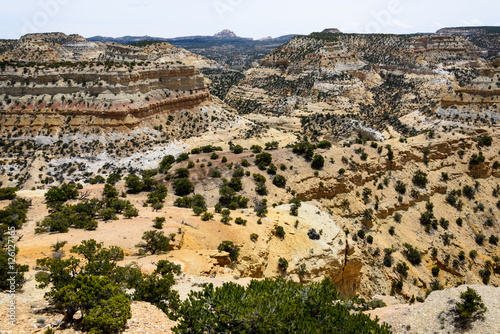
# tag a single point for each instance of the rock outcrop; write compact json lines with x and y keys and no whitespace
{"x":84,"y":79}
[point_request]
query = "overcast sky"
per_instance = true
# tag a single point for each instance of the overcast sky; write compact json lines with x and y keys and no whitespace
{"x":247,"y":18}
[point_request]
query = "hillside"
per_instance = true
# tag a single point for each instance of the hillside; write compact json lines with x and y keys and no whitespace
{"x":371,"y":160}
{"x":326,"y":83}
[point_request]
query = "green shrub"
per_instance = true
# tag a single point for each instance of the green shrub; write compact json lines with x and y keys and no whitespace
{"x":183,"y":187}
{"x":279,"y":181}
{"x":402,"y":268}
{"x":400,"y":187}
{"x":272,"y":145}
{"x":256,"y":149}
{"x":282,"y":264}
{"x":113,"y":178}
{"x":420,"y":179}
{"x":94,"y":285}
{"x":237,"y":149}
{"x":231,"y":248}
{"x":272,"y":306}
{"x":254,"y":237}
{"x":133,"y":184}
{"x":165,"y":267}
{"x":263,"y":160}
{"x":318,"y":162}
{"x":279,"y":231}
{"x":473,"y":254}
{"x":412,"y":254}
{"x":435,"y":271}
{"x":206,"y":216}
{"x":154,"y":242}
{"x":198,"y":204}
{"x":235,"y":184}
{"x":158,"y":222}
{"x":469,"y":307}
{"x":56,"y":196}
{"x":182,"y":157}
{"x":98,"y":179}
{"x":240,"y":221}
{"x":485,"y":141}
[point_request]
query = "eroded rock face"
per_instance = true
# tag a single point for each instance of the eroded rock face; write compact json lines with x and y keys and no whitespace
{"x":309,"y":260}
{"x":88,"y":79}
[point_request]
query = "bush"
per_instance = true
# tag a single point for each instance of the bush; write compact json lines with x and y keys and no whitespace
{"x":279,"y":231}
{"x":256,"y":149}
{"x":469,"y":307}
{"x":261,"y":189}
{"x":272,"y":306}
{"x":94,"y":285}
{"x":183,"y":187}
{"x":477,"y":159}
{"x":479,"y":238}
{"x":296,"y":204}
{"x":133,"y":183}
{"x":240,"y":221}
{"x":412,"y":254}
{"x":215,"y":174}
{"x":198,"y":204}
{"x":402,"y":268}
{"x":206,"y":216}
{"x":231,"y":248}
{"x":279,"y":181}
{"x":435,"y":271}
{"x":272,"y":145}
{"x":182,"y":157}
{"x":400,"y":187}
{"x":254,"y":237}
{"x":282,"y":264}
{"x":56,"y":196}
{"x":420,"y":179}
{"x":473,"y":254}
{"x":154,"y":242}
{"x":7,"y":193}
{"x":485,"y":141}
{"x":166,"y":163}
{"x":235,"y":184}
{"x":237,"y":149}
{"x":165,"y":267}
{"x":98,"y":179}
{"x":263,"y":160}
{"x":469,"y":192}
{"x":158,"y":222}
{"x":272,"y":169}
{"x":318,"y":162}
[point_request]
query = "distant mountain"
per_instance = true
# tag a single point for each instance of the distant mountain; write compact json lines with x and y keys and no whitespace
{"x":468,"y":31}
{"x":126,"y":39}
{"x":224,"y":36}
{"x":487,"y":37}
{"x":225,"y":47}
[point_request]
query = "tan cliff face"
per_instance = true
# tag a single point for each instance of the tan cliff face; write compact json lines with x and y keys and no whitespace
{"x":118,"y":82}
{"x":368,"y":78}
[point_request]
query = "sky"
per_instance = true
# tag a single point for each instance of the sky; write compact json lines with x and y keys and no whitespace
{"x":247,"y":18}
